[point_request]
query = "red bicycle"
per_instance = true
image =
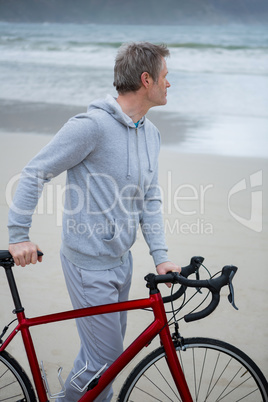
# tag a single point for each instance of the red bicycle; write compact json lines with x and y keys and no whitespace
{"x":193,"y":369}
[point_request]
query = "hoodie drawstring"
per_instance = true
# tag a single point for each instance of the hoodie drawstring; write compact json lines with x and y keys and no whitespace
{"x":148,"y":154}
{"x":129,"y":155}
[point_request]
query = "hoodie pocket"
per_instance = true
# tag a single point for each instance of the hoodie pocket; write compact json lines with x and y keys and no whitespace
{"x":123,"y":235}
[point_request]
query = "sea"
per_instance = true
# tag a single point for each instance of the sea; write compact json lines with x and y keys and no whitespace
{"x":218,"y":76}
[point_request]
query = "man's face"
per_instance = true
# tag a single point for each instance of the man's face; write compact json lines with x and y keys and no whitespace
{"x":158,"y":92}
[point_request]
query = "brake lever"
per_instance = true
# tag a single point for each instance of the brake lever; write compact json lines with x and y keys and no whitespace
{"x":231,"y":289}
{"x":198,"y":277}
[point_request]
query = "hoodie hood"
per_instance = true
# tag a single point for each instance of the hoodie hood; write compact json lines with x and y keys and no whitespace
{"x":111,"y":106}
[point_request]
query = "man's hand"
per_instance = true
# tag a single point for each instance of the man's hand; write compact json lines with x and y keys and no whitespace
{"x":24,"y":253}
{"x":166,"y":267}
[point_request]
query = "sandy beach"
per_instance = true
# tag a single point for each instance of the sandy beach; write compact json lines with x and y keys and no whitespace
{"x":214,"y":206}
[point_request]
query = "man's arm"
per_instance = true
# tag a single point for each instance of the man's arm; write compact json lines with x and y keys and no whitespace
{"x":68,"y":147}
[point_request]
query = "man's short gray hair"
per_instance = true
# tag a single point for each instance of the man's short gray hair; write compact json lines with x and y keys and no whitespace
{"x":135,"y":58}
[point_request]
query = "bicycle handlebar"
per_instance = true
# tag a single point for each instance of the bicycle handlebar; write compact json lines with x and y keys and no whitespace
{"x":190,"y":269}
{"x":214,"y":285}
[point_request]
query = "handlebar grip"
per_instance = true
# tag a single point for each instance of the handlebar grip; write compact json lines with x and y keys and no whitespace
{"x":6,"y":256}
{"x":185,"y":272}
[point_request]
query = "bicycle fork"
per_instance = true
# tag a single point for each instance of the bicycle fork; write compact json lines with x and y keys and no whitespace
{"x":171,"y":357}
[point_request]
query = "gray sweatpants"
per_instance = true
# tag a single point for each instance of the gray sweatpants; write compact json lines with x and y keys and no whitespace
{"x":101,"y":336}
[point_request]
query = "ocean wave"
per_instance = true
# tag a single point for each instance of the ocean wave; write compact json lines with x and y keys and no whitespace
{"x":100,"y":44}
{"x":63,"y":45}
{"x":200,"y":46}
{"x":190,"y":45}
{"x":10,"y":39}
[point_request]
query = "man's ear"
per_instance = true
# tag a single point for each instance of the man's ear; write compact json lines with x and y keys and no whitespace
{"x":145,"y":79}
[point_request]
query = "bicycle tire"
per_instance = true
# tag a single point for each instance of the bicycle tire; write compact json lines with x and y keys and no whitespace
{"x":14,"y":382}
{"x":214,"y":371}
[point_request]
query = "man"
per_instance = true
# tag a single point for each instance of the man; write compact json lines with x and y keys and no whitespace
{"x":110,"y":154}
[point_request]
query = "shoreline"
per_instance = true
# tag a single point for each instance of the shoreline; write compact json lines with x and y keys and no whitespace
{"x":48,"y":118}
{"x":181,"y":133}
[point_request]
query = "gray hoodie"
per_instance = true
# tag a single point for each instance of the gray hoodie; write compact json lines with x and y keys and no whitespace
{"x":112,"y":187}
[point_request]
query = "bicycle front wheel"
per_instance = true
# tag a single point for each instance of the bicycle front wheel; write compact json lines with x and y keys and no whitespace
{"x":14,"y":382}
{"x":214,"y":371}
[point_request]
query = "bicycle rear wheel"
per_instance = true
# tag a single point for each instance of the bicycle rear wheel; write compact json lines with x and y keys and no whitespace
{"x":214,"y":371}
{"x":14,"y":382}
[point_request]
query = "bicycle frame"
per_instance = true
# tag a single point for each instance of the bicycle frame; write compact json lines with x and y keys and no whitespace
{"x":158,"y":326}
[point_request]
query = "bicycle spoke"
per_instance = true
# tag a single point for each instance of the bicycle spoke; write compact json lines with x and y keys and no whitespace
{"x":211,"y":379}
{"x":147,"y":393}
{"x":11,"y":397}
{"x":7,"y":385}
{"x":168,"y":384}
{"x":230,"y":382}
{"x":157,"y":387}
{"x":234,"y":389}
{"x":194,"y":373}
{"x":245,"y":396}
{"x":220,"y":376}
{"x":2,"y":375}
{"x":198,"y":380}
{"x":202,"y":371}
{"x":181,"y":361}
